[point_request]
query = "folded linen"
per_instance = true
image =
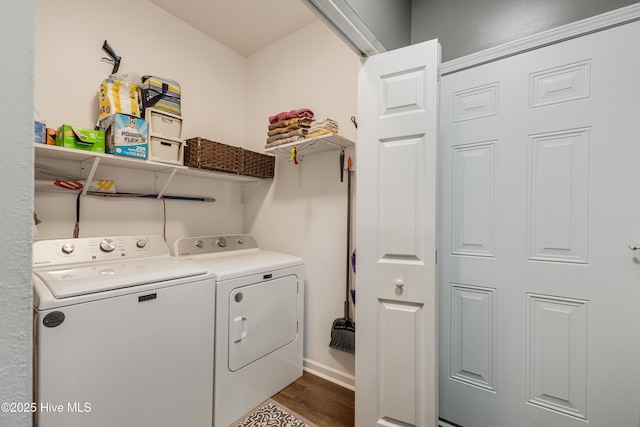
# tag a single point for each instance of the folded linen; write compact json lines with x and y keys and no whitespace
{"x":284,"y":141}
{"x":301,"y":112}
{"x":328,"y":124}
{"x":289,"y":128}
{"x":302,"y":121}
{"x":318,"y":133}
{"x":296,"y":132}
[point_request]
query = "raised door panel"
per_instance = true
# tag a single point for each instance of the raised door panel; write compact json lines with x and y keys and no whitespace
{"x":400,"y":226}
{"x":559,"y":196}
{"x":473,"y":194}
{"x":557,"y":359}
{"x":473,"y":336}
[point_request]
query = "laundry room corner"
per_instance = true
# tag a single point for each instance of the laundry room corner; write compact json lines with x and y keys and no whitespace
{"x":303,"y":210}
{"x":227,"y":98}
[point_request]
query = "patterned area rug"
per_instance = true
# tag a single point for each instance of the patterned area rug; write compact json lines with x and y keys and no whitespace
{"x":272,"y":414}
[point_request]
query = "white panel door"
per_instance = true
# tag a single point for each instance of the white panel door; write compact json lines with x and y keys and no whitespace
{"x":396,"y":196}
{"x":539,"y":291}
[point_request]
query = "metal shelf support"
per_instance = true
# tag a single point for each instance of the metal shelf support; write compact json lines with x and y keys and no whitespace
{"x":244,"y":197}
{"x":92,"y":173}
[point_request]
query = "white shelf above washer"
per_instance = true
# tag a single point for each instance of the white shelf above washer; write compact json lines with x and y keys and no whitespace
{"x":93,"y":160}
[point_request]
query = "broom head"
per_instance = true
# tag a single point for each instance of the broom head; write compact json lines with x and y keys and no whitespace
{"x":343,"y":335}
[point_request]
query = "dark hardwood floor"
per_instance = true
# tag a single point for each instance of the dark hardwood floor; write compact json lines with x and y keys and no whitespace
{"x":320,"y":401}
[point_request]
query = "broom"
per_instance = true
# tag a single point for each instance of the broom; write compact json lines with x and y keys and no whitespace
{"x":343,"y":330}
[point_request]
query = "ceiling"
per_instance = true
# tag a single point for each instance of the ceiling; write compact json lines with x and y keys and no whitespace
{"x":244,"y":26}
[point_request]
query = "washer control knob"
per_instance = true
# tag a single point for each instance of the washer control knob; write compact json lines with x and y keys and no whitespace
{"x":199,"y":244}
{"x":141,"y":243}
{"x":240,"y":241}
{"x":67,"y":248}
{"x":107,"y":245}
{"x":222,"y":242}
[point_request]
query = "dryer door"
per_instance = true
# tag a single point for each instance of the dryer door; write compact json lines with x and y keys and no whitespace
{"x":263,"y":317}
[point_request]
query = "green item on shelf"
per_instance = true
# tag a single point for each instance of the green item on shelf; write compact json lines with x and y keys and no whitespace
{"x":80,"y":138}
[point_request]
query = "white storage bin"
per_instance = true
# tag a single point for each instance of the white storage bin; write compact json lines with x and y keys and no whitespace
{"x":163,"y":123}
{"x":166,"y":150}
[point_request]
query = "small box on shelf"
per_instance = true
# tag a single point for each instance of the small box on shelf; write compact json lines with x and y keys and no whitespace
{"x":125,"y":135}
{"x":80,"y":138}
{"x":163,"y":123}
{"x":166,"y":150}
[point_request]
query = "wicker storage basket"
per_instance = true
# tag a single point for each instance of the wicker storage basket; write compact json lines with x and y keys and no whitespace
{"x":207,"y":154}
{"x":256,"y":164}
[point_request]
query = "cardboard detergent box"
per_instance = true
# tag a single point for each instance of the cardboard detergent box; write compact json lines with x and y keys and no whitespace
{"x":80,"y":138}
{"x":126,"y":135}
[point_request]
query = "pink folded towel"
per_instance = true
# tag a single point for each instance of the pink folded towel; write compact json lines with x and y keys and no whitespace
{"x":302,"y":112}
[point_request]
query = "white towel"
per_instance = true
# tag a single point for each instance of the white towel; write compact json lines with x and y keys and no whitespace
{"x":324,"y":124}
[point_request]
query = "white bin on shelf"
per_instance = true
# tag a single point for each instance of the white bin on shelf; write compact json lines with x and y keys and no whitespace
{"x":166,"y":150}
{"x":164,"y":124}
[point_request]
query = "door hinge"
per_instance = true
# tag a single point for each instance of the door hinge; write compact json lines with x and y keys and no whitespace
{"x":436,"y":256}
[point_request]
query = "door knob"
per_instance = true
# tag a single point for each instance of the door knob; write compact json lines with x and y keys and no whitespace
{"x":634,"y":248}
{"x":400,"y":283}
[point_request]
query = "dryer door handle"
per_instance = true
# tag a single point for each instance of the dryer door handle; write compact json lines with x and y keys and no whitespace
{"x":239,"y":328}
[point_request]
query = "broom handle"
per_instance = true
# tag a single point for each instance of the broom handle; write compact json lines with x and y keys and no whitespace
{"x":348,"y":279}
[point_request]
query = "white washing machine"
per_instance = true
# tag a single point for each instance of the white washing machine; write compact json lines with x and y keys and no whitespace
{"x":123,"y":334}
{"x":259,"y":319}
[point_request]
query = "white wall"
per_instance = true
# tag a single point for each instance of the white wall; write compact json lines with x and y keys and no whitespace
{"x":303,"y":212}
{"x":68,"y":70}
{"x":16,"y":121}
{"x":389,"y":21}
{"x":464,"y":28}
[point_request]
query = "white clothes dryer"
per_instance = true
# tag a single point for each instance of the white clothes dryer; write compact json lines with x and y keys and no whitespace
{"x":259,"y":319}
{"x":123,"y":334}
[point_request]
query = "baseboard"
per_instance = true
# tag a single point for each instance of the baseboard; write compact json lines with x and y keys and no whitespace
{"x":340,"y":378}
{"x":442,"y":423}
{"x":343,"y":379}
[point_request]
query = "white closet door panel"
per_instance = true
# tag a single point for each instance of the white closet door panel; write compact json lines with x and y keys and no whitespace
{"x":551,"y":135}
{"x":396,"y":217}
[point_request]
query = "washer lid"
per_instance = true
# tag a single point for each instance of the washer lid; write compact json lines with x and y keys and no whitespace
{"x":99,"y":277}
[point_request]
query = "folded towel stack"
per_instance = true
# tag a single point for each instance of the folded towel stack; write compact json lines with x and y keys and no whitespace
{"x":321,"y":127}
{"x":288,"y":126}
